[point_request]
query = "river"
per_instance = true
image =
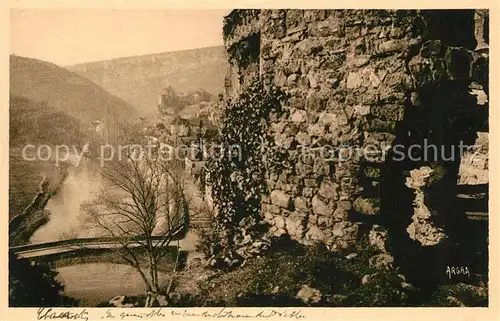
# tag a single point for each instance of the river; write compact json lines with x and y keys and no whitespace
{"x":67,"y":221}
{"x":91,"y":283}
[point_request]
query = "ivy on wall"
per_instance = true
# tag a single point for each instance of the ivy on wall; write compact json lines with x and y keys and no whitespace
{"x":237,"y":172}
{"x":237,"y":17}
{"x":246,"y":51}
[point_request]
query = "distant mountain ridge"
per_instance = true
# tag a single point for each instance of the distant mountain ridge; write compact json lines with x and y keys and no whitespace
{"x":65,"y":91}
{"x":139,"y":80}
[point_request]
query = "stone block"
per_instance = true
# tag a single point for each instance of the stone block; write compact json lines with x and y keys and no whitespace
{"x":316,"y":101}
{"x":269,"y":217}
{"x":281,"y":199}
{"x":320,"y":207}
{"x":326,"y":28}
{"x":378,"y":237}
{"x":325,"y":221}
{"x":321,"y":167}
{"x":303,"y":169}
{"x":329,"y":119}
{"x":313,"y":81}
{"x":393,"y":45}
{"x":275,"y":209}
{"x":309,"y":46}
{"x":378,"y":125}
{"x":378,"y":138}
{"x":317,"y":130}
{"x":291,"y":129}
{"x":345,"y":230}
{"x":277,"y":127}
{"x":303,"y":139}
{"x":309,"y":182}
{"x":301,"y":203}
{"x":328,"y":190}
{"x":356,"y":61}
{"x":354,"y":80}
{"x":362,"y":110}
{"x":315,"y":234}
{"x":297,"y":102}
{"x":294,"y":20}
{"x":340,"y":214}
{"x":280,"y":79}
{"x":313,"y":219}
{"x":279,"y":221}
{"x":308,"y":192}
{"x":298,"y":116}
{"x":342,"y":210}
{"x":292,"y":79}
{"x":296,"y":225}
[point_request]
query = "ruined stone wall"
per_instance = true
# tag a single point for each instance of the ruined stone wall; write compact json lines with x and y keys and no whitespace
{"x":355,"y":79}
{"x":242,"y":41}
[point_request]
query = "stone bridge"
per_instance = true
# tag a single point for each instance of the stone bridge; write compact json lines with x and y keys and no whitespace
{"x":73,"y":245}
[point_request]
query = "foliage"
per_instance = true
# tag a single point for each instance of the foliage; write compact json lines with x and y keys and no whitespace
{"x":209,"y":242}
{"x":34,"y":285}
{"x":33,"y":122}
{"x":237,"y":173}
{"x":236,"y":17}
{"x":246,"y":51}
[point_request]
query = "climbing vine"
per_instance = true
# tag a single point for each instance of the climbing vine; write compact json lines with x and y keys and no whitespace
{"x":237,"y":173}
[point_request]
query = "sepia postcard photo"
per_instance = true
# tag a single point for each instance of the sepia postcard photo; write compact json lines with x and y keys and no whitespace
{"x":246,"y":157}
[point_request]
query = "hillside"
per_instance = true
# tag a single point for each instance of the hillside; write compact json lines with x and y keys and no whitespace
{"x":65,"y":91}
{"x":50,"y":105}
{"x":139,"y":80}
{"x":36,"y":123}
{"x":32,"y":122}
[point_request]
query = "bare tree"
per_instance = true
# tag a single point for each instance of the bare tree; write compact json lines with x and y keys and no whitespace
{"x":142,"y":206}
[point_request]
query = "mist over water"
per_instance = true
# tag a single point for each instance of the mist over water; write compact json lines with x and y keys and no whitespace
{"x":67,"y":221}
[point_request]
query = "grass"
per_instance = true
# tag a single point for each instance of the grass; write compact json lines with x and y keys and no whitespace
{"x":276,"y":278}
{"x":451,"y":295}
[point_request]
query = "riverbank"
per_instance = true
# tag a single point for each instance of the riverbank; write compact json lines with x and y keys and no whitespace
{"x":34,"y":215}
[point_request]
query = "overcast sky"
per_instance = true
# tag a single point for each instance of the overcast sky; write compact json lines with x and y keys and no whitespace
{"x":67,"y":37}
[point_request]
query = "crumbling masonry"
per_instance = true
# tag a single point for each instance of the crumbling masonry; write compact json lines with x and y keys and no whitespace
{"x":362,"y":79}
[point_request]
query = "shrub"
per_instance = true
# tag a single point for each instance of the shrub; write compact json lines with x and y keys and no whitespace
{"x":34,"y":285}
{"x":238,"y":179}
